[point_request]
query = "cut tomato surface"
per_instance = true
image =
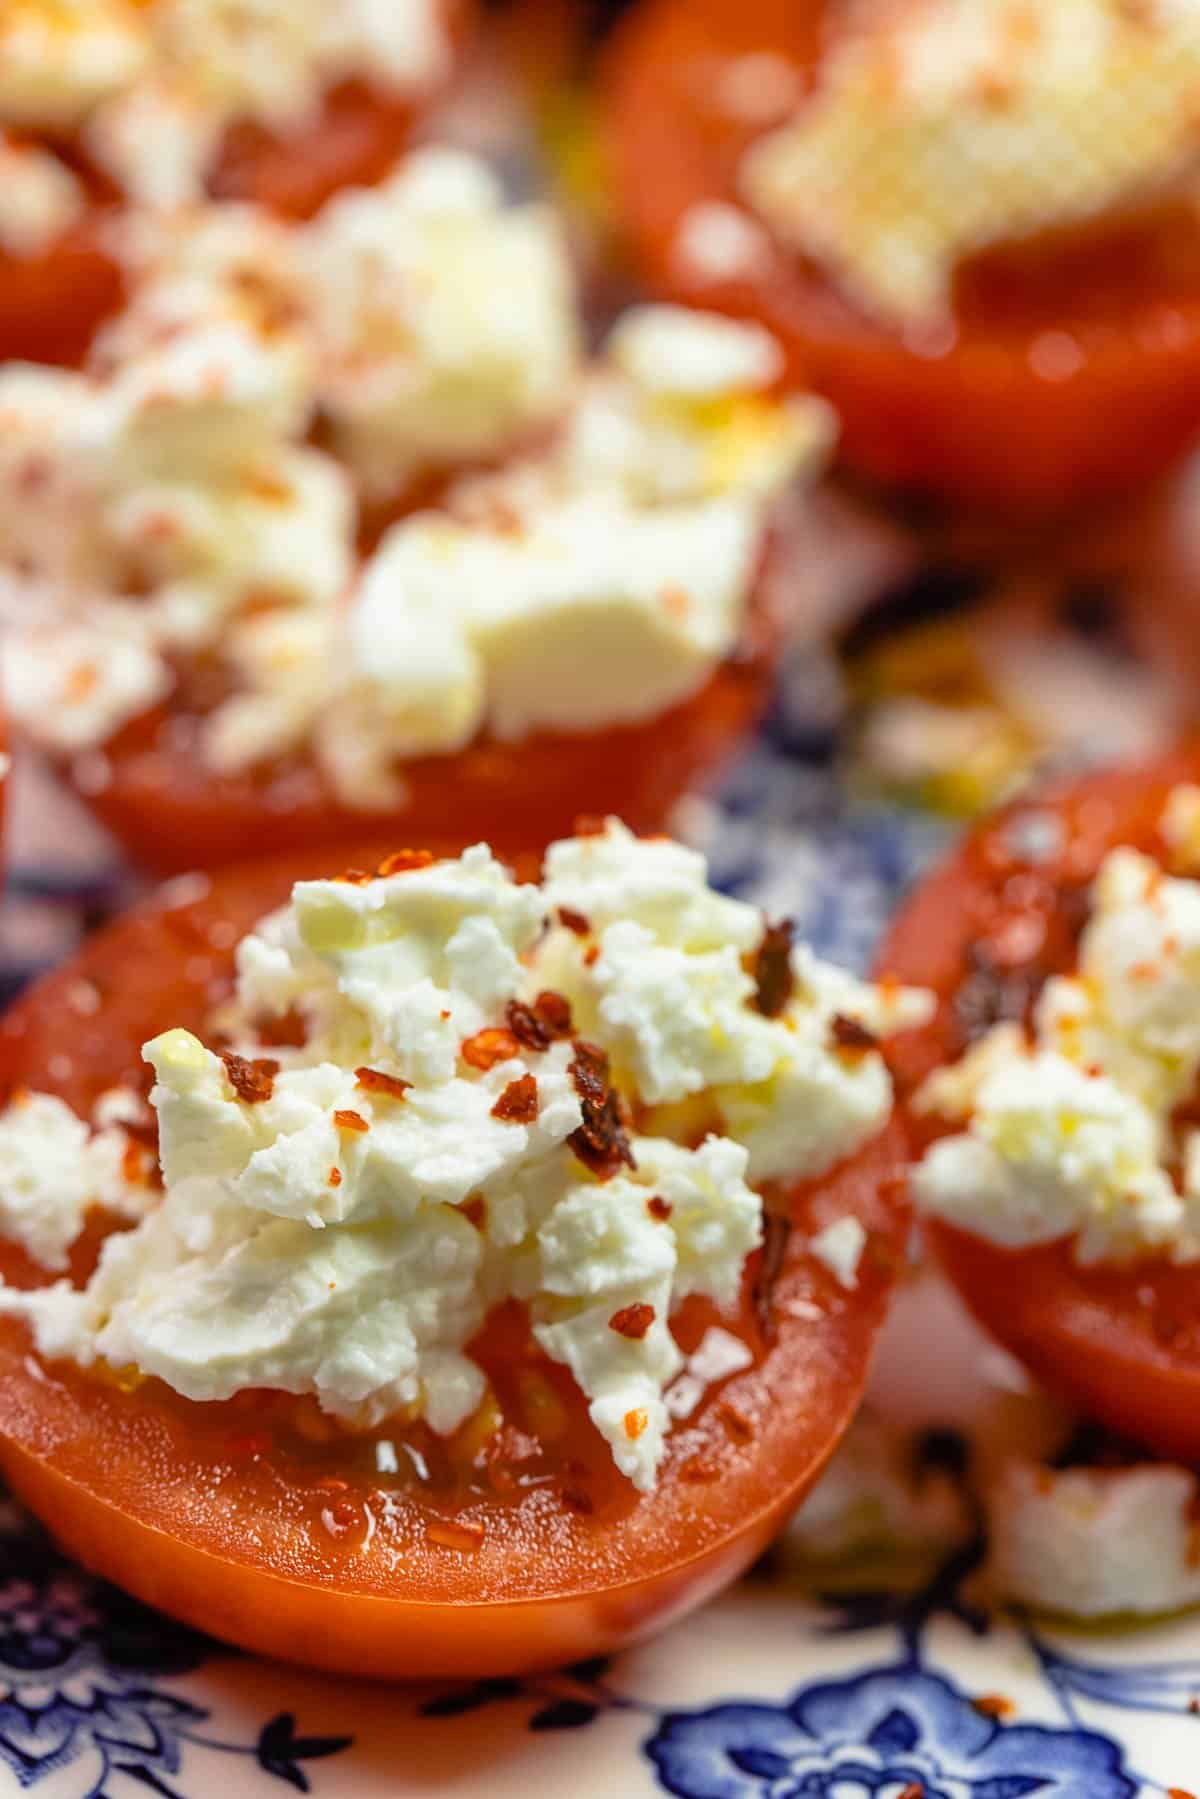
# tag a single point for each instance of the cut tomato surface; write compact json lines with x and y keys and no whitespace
{"x":975,"y":421}
{"x":513,"y":1545}
{"x":985,"y":932}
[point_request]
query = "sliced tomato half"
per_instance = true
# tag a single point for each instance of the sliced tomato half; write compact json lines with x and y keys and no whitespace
{"x":492,"y":1553}
{"x":985,"y":932}
{"x":1074,"y":368}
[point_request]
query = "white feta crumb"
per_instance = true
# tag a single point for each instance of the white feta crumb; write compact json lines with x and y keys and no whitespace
{"x":1094,"y":1542}
{"x":839,"y":1246}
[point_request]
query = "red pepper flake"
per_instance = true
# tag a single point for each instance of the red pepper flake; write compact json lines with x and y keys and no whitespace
{"x":632,"y":1321}
{"x":773,"y":977}
{"x":659,"y":1208}
{"x":590,"y":824}
{"x":1179,"y":1792}
{"x":591,"y":955}
{"x":355,"y":877}
{"x":475,"y":1209}
{"x":351,"y":1121}
{"x":537,"y":1026}
{"x":403,"y":861}
{"x":253,"y":1082}
{"x":914,"y":1790}
{"x":288,"y":1031}
{"x":373,"y":1080}
{"x":518,"y":1104}
{"x":851,"y":1037}
{"x":133,"y":1163}
{"x":635,"y":1422}
{"x":994,"y":1705}
{"x":486,"y":1048}
{"x":574,"y":921}
{"x":602,"y":1140}
{"x":335,"y":1177}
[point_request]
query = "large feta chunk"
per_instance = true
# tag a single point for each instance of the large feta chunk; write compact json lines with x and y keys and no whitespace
{"x":956,"y":124}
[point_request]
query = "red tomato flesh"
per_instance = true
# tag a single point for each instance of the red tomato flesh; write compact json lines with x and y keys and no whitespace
{"x":976,"y":423}
{"x":257,"y":1521}
{"x":985,"y":932}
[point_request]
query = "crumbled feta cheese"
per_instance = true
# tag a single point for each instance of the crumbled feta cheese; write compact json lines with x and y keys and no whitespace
{"x":55,"y":1171}
{"x":77,"y":682}
{"x":339,"y":1218}
{"x":972,"y":122}
{"x":153,"y":88}
{"x":697,"y":355}
{"x":717,"y":242}
{"x":40,"y":198}
{"x":59,"y":58}
{"x":839,"y":1246}
{"x":669,"y":997}
{"x":1072,"y":1133}
{"x":1052,"y":1152}
{"x":1094,"y":1542}
{"x":447,"y":319}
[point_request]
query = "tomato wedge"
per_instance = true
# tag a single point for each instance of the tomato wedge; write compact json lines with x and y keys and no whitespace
{"x":985,"y":932}
{"x":522,"y":1551}
{"x":976,"y":423}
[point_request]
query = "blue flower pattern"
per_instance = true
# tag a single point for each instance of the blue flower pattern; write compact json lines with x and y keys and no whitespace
{"x":890,"y":1733}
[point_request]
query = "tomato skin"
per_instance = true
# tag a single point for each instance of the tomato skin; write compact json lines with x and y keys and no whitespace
{"x":133,"y":1487}
{"x":1120,"y":1341}
{"x":975,"y":424}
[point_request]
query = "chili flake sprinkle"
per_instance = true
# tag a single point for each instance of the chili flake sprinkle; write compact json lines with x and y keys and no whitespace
{"x":632,"y":1321}
{"x":635,"y":1422}
{"x":403,"y":862}
{"x":486,"y":1048}
{"x":252,"y":1081}
{"x":574,"y":921}
{"x":335,"y":1177}
{"x":537,"y":1026}
{"x":351,"y":1121}
{"x":373,"y":1080}
{"x":659,"y":1208}
{"x":772,"y":971}
{"x":602,"y":1140}
{"x":851,"y":1036}
{"x":518,"y":1104}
